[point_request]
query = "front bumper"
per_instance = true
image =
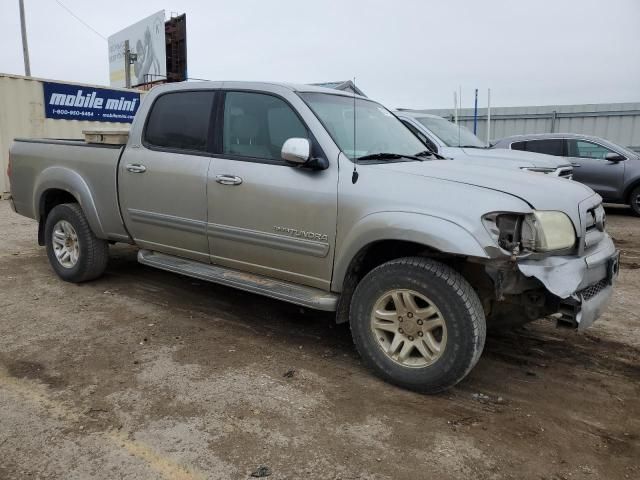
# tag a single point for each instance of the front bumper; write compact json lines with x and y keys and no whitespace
{"x":583,"y":284}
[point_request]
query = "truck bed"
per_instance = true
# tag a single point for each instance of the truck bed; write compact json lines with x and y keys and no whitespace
{"x":86,"y":171}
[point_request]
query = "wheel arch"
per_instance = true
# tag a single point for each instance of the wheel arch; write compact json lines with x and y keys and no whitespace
{"x":420,"y":235}
{"x":630,"y":188}
{"x":402,"y":228}
{"x":57,"y":185}
{"x":49,"y":199}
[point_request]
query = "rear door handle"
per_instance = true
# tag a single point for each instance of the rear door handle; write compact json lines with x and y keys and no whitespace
{"x":136,"y":168}
{"x":228,"y":180}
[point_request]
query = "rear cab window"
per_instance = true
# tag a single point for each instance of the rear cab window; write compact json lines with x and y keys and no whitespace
{"x":181,"y":121}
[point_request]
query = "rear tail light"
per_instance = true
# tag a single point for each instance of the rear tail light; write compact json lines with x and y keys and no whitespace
{"x":9,"y":167}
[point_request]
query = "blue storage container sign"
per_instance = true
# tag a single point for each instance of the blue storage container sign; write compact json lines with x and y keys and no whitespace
{"x":74,"y":102}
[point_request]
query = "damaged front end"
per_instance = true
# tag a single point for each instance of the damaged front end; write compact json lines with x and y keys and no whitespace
{"x":551,"y":268}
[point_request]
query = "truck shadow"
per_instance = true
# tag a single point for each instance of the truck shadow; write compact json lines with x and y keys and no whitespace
{"x":531,"y":352}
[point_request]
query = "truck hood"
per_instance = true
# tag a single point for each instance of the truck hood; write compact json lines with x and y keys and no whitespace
{"x":498,"y":157}
{"x":542,"y":192}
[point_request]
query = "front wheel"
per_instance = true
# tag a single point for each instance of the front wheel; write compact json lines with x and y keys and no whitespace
{"x":418,"y":324}
{"x":74,"y":252}
{"x":634,"y":201}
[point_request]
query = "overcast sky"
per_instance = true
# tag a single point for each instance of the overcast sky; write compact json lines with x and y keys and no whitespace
{"x":404,"y":53}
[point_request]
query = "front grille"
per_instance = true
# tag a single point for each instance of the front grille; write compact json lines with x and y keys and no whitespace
{"x":593,"y":290}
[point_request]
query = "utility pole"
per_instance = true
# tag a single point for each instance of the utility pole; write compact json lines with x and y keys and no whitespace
{"x":455,"y":106}
{"x":475,"y":114}
{"x":25,"y":47}
{"x":129,"y":58}
{"x":127,"y":64}
{"x":488,"y":116}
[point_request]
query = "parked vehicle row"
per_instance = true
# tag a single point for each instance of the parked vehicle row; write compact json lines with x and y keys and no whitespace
{"x":326,"y":200}
{"x":609,"y":169}
{"x":458,"y":143}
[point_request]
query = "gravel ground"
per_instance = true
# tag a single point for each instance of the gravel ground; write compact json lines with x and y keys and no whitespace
{"x":147,"y":374}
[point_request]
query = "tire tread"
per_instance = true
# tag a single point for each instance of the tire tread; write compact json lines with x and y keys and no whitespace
{"x":95,"y":249}
{"x":468,"y":297}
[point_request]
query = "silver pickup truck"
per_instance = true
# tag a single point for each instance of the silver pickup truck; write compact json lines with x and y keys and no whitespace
{"x":266,"y":188}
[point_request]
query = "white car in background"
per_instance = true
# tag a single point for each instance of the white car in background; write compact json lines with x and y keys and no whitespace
{"x":458,"y":143}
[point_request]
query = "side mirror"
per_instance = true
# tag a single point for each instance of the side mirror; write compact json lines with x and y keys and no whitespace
{"x":614,"y":157}
{"x":296,"y":150}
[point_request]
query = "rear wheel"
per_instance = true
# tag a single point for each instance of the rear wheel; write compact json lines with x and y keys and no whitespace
{"x":634,"y":201}
{"x":418,"y":324}
{"x":74,"y":252}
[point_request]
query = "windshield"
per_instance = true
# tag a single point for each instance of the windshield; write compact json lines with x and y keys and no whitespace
{"x":377,"y":129}
{"x":451,"y":135}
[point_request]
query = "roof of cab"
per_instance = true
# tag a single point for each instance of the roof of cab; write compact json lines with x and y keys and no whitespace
{"x":267,"y":86}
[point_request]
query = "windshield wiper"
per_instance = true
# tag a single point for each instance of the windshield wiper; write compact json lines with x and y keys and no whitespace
{"x":388,"y":156}
{"x":470,"y":146}
{"x":429,"y":153}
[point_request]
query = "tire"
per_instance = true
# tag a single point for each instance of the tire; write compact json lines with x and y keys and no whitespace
{"x":428,"y":285}
{"x":634,"y":201}
{"x":75,"y":253}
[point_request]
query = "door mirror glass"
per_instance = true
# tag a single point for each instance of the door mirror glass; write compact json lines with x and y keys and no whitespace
{"x":296,"y":150}
{"x":614,"y":157}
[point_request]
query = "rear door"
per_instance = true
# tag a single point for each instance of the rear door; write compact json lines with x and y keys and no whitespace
{"x":266,"y":216}
{"x":163,"y":182}
{"x":591,"y":168}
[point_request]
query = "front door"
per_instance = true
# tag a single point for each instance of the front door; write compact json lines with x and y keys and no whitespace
{"x":592,"y":168}
{"x":266,"y":216}
{"x":163,"y":182}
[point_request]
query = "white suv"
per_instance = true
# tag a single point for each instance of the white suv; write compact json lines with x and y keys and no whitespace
{"x":458,"y":143}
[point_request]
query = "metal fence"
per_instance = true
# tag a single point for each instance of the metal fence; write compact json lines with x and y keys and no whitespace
{"x":617,"y":122}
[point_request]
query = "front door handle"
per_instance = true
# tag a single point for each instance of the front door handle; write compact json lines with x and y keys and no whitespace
{"x":136,"y":168}
{"x":228,"y":180}
{"x":575,"y":165}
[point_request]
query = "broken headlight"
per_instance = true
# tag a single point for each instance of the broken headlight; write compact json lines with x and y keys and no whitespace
{"x":539,"y":231}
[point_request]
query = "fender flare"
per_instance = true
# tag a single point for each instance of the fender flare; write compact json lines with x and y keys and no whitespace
{"x":62,"y":178}
{"x":433,"y":232}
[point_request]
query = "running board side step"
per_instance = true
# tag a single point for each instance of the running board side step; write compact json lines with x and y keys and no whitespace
{"x":289,"y":292}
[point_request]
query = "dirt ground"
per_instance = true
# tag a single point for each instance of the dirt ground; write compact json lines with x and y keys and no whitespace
{"x":147,"y":374}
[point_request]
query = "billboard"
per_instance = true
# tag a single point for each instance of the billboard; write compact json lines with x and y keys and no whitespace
{"x":75,"y":102}
{"x":176,"y":40}
{"x":147,"y":41}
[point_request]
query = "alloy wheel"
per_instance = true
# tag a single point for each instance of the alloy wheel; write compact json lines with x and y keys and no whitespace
{"x":409,"y":328}
{"x":65,"y":244}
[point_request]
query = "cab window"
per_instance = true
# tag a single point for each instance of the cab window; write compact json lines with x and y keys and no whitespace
{"x":256,"y":125}
{"x":584,"y":149}
{"x":553,"y":146}
{"x":180,"y":121}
